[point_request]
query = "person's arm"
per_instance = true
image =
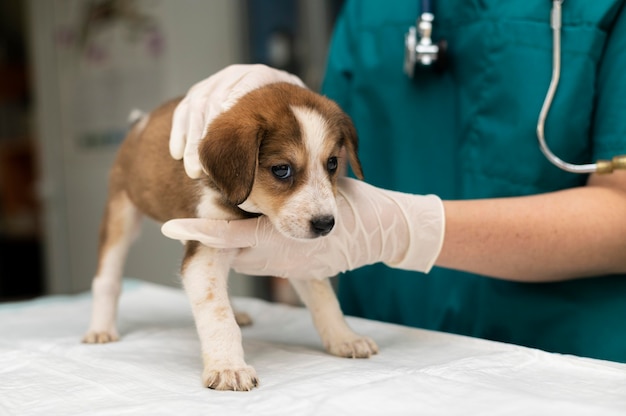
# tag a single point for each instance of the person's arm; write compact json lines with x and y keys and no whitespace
{"x":573,"y":233}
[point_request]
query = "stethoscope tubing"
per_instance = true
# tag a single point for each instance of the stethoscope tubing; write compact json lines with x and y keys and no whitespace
{"x":430,"y":53}
{"x":547,"y":103}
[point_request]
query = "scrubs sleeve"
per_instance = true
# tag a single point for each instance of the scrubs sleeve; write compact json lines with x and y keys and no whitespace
{"x":609,"y":132}
{"x":340,"y":61}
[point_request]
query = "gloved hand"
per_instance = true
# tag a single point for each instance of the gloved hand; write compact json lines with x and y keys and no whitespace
{"x":374,"y":225}
{"x":209,"y":98}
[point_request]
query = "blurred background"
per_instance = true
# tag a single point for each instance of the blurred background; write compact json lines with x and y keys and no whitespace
{"x":70,"y":73}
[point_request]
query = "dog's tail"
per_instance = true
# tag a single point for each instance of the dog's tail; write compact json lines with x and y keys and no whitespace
{"x":135,"y":115}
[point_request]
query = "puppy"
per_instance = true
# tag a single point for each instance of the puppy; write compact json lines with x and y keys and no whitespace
{"x":277,"y":152}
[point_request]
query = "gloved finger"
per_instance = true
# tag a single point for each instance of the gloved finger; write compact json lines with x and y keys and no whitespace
{"x":195,"y":132}
{"x":179,"y":129}
{"x":200,"y":114}
{"x":193,"y":167}
{"x":256,"y":76}
{"x":213,"y":233}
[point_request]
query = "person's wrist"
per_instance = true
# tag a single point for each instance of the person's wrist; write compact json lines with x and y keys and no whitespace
{"x":419,"y":244}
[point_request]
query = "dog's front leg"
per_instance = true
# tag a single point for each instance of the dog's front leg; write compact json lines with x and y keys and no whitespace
{"x":338,"y":338}
{"x":205,"y":274}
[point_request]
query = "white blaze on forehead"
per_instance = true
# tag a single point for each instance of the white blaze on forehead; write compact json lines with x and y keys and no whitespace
{"x":316,"y":196}
{"x":314,"y":129}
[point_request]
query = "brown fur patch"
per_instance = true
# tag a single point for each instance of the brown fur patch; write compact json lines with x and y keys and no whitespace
{"x":156,"y":183}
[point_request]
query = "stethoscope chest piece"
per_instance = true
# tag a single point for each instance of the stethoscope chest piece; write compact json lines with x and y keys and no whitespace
{"x":419,"y":49}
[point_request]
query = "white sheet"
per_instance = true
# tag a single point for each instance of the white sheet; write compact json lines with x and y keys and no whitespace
{"x":155,"y":368}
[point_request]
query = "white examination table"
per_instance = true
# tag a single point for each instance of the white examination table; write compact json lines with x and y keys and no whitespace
{"x":155,"y":368}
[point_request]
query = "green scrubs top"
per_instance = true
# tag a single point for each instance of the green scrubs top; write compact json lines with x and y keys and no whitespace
{"x":469,"y":132}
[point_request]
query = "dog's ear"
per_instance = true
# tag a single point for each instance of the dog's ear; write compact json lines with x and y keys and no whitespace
{"x":229,"y":154}
{"x":351,"y":143}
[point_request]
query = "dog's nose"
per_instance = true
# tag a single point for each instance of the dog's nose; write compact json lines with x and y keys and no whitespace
{"x":322,"y":225}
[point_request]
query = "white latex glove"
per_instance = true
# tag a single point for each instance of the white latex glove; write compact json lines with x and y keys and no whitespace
{"x":209,"y":98}
{"x":374,"y":225}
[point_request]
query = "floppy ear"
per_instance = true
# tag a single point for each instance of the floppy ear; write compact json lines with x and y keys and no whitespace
{"x":229,"y":154}
{"x":351,"y":143}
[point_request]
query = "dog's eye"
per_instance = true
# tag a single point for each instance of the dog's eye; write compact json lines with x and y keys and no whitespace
{"x":281,"y":171}
{"x":332,"y":164}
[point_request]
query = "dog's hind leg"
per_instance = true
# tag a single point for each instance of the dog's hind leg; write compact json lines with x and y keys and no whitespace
{"x":119,"y":228}
{"x":337,"y":337}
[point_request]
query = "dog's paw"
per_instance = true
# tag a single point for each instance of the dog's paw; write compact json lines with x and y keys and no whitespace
{"x":359,"y":347}
{"x":100,"y":337}
{"x":243,"y":319}
{"x":236,"y":379}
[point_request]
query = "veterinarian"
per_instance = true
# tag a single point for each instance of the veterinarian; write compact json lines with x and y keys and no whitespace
{"x":526,"y":252}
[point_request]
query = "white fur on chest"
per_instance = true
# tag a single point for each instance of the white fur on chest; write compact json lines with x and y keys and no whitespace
{"x":209,"y":206}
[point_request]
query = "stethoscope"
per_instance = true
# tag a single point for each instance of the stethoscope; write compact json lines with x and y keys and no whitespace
{"x":419,"y":50}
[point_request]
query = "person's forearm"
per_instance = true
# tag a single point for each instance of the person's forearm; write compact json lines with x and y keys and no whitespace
{"x":556,"y":236}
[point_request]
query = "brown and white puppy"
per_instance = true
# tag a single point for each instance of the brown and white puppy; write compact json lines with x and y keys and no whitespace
{"x":277,"y":152}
